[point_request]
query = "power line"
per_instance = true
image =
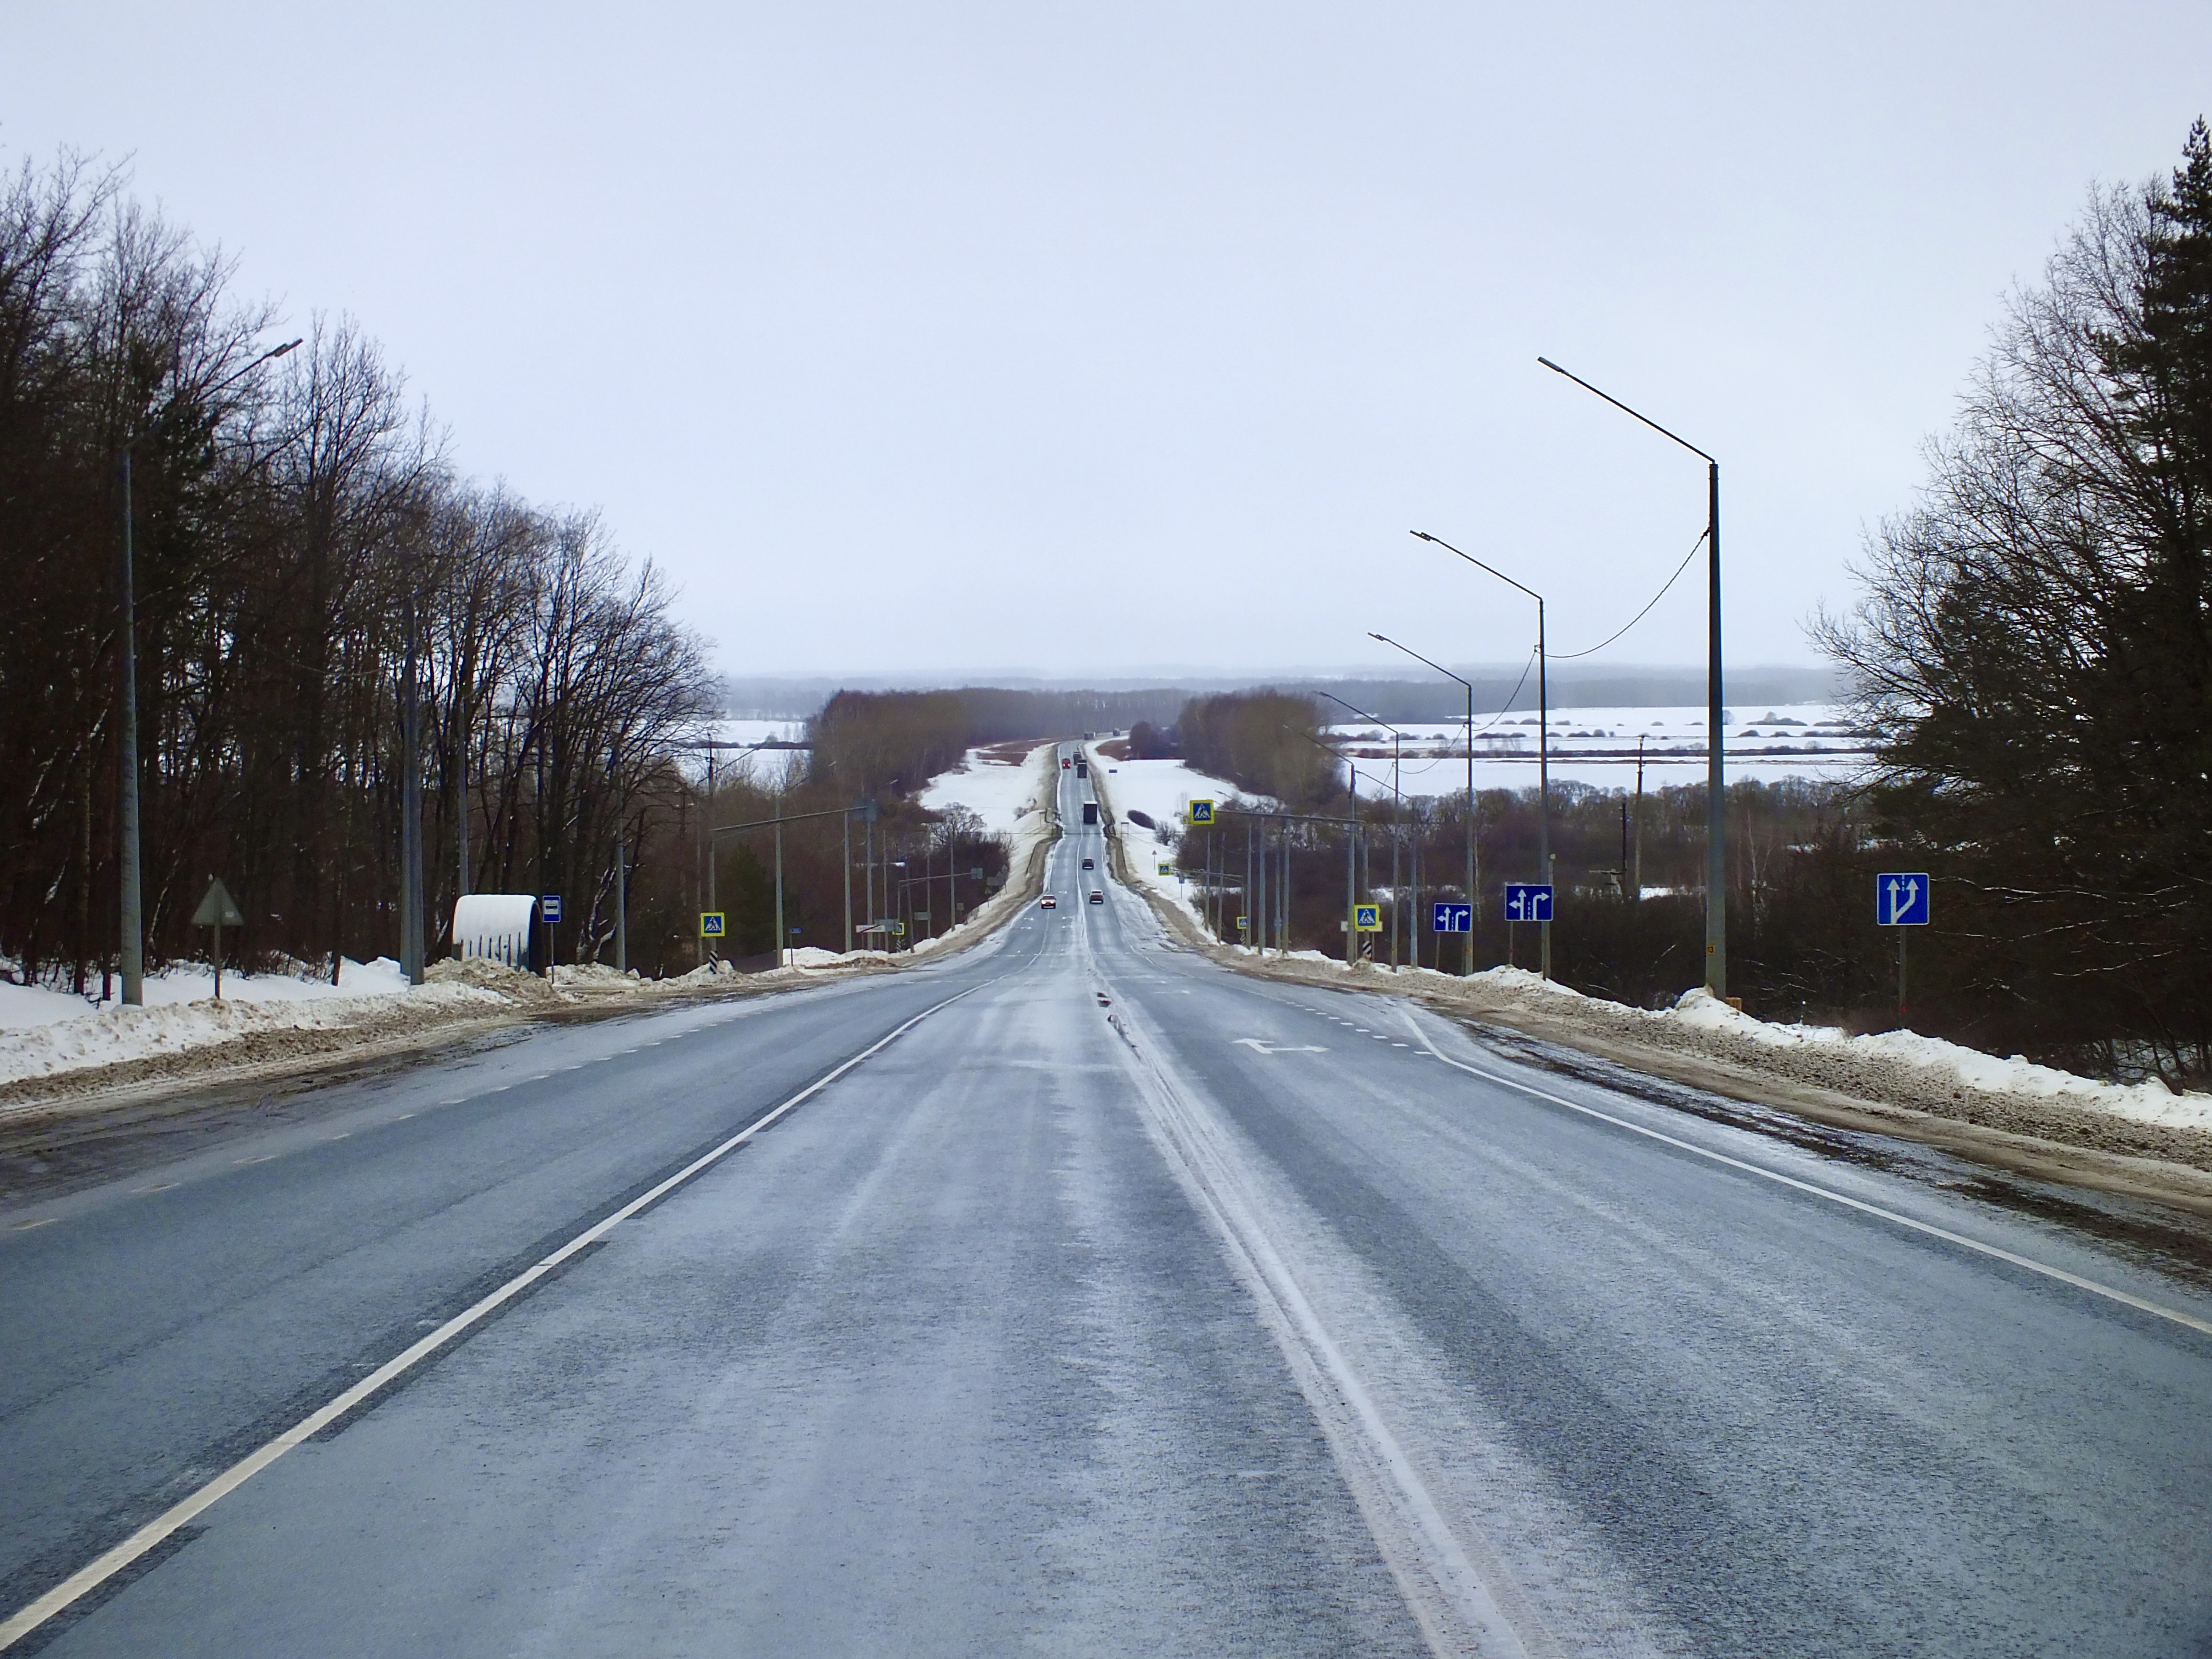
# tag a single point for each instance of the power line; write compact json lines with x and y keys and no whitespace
{"x":1569,"y":656}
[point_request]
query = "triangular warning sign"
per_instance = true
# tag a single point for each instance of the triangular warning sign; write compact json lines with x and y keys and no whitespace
{"x":218,"y":909}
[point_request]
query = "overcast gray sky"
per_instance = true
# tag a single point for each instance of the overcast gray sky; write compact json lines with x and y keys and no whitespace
{"x":979,"y":337}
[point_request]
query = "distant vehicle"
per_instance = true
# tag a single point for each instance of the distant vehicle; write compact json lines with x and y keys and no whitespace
{"x":1098,"y":898}
{"x":1047,"y":902}
{"x":1089,"y":865}
{"x":1065,"y":762}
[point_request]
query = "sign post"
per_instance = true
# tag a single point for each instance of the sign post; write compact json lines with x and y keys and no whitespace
{"x":1446,"y":917}
{"x":549,"y":906}
{"x":1367,"y":918}
{"x":711,"y":924}
{"x":1525,"y":901}
{"x":1900,"y":900}
{"x":218,"y":910}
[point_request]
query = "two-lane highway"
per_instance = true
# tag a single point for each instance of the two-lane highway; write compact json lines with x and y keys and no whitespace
{"x":1121,"y":1303}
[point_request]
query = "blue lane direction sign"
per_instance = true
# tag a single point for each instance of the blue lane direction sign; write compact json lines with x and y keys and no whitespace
{"x":1900,"y":899}
{"x":1527,"y":900}
{"x":549,"y":907}
{"x":1447,"y":918}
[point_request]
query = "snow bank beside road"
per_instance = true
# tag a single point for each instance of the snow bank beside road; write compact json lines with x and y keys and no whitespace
{"x":23,"y":1006}
{"x":1899,"y":1070}
{"x":114,"y":1034}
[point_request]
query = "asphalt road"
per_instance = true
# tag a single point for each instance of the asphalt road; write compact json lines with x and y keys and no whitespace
{"x":1119,"y":1304}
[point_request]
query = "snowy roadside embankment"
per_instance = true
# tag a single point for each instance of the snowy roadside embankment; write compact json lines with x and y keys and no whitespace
{"x":1162,"y":790}
{"x":72,"y":1035}
{"x":53,"y":1044}
{"x":1899,"y":1070}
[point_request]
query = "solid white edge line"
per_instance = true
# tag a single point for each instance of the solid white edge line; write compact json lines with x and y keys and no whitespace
{"x":2108,"y":1291}
{"x":90,"y":1577}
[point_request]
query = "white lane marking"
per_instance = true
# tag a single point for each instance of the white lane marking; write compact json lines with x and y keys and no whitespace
{"x":149,"y":1536}
{"x":2109,"y":1291}
{"x":1258,"y":1047}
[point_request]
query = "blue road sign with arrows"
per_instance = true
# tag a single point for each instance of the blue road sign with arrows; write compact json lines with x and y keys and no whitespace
{"x":1446,"y":918}
{"x":1527,"y":900}
{"x":1900,"y":899}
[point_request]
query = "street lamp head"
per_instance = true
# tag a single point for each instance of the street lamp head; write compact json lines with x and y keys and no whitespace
{"x":1553,"y":367}
{"x":286,"y":349}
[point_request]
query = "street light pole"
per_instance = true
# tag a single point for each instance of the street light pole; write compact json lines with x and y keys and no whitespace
{"x":1474,"y":901}
{"x":1543,"y":737}
{"x":131,"y":914}
{"x":1715,"y":759}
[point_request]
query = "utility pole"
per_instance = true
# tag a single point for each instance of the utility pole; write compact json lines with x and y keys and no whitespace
{"x":134,"y":924}
{"x":461,"y":794}
{"x":410,"y":812}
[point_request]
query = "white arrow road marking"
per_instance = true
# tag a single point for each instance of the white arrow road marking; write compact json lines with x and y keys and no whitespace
{"x":1258,"y":1047}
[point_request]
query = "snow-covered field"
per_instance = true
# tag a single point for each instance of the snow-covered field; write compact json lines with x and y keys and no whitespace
{"x":1597,"y":746}
{"x":1014,"y":799}
{"x":998,"y":791}
{"x":1162,"y":790}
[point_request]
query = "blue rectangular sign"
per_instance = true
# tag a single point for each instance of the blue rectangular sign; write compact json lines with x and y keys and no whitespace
{"x":1900,"y":899}
{"x":1447,"y":918}
{"x":549,"y":907}
{"x":1527,"y":900}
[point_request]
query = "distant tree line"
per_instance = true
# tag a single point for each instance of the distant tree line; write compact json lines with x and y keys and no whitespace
{"x":296,"y":529}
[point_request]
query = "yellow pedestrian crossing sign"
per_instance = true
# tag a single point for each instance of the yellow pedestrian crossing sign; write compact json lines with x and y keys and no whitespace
{"x":1166,"y":868}
{"x":1201,"y":812}
{"x":1367,"y":918}
{"x":710,"y":924}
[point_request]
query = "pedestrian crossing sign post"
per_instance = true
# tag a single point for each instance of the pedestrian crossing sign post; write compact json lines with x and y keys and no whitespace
{"x":1201,"y":812}
{"x":1166,"y":867}
{"x":1367,"y":918}
{"x":710,"y":924}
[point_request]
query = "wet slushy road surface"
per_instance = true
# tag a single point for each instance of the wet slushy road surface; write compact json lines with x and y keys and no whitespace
{"x":1120,"y":1306}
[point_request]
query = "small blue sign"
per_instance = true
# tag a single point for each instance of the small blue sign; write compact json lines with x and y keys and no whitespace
{"x":1527,"y":900}
{"x":1452,"y":918}
{"x":1900,"y":899}
{"x":549,"y":907}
